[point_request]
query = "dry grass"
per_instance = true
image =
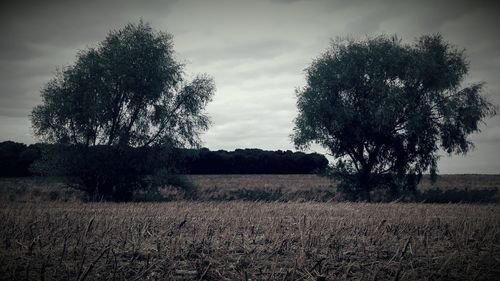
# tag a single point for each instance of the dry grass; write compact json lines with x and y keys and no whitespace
{"x":286,"y":187}
{"x":249,"y":241}
{"x":37,"y":189}
{"x":313,"y":187}
{"x":462,"y":182}
{"x":295,"y":188}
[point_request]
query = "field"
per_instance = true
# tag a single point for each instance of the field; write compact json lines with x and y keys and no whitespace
{"x":315,"y":188}
{"x":46,"y":239}
{"x":285,"y":188}
{"x":249,"y":241}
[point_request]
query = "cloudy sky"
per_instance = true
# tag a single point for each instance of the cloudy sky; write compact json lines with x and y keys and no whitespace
{"x":255,"y":50}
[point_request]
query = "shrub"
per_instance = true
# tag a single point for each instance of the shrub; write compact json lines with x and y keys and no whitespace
{"x":110,"y":172}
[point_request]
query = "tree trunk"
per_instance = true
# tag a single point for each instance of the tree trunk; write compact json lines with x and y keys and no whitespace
{"x":365,"y":185}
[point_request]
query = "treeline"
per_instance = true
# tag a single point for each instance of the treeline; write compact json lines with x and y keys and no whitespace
{"x":251,"y":161}
{"x":17,"y":159}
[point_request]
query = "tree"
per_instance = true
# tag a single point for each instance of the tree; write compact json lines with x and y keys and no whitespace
{"x":11,"y":160}
{"x":127,"y":91}
{"x":383,"y":109}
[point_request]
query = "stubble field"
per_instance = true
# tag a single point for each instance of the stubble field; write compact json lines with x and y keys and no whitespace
{"x":304,"y":235}
{"x":249,"y":241}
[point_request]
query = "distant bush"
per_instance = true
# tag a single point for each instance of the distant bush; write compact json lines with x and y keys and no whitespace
{"x":16,"y":158}
{"x":437,"y":195}
{"x":163,"y":178}
{"x":108,"y":172}
{"x":37,"y":189}
{"x":165,"y":186}
{"x":459,"y":196}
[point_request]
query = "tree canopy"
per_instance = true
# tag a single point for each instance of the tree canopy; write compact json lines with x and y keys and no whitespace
{"x":383,"y":109}
{"x":127,"y":90}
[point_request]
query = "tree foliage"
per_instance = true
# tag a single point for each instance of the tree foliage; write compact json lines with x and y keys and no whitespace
{"x":16,"y":158}
{"x":127,"y":91}
{"x":383,"y":109}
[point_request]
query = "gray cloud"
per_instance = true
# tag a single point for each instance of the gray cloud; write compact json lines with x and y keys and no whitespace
{"x":242,"y":51}
{"x":255,"y":50}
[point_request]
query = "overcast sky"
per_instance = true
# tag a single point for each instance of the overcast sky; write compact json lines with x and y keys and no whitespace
{"x":255,"y":50}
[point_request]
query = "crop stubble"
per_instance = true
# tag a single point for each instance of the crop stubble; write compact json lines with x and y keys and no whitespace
{"x":249,"y":241}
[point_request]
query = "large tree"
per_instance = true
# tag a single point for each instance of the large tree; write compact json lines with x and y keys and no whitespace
{"x":119,"y":99}
{"x":384,"y":109}
{"x":127,"y":90}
